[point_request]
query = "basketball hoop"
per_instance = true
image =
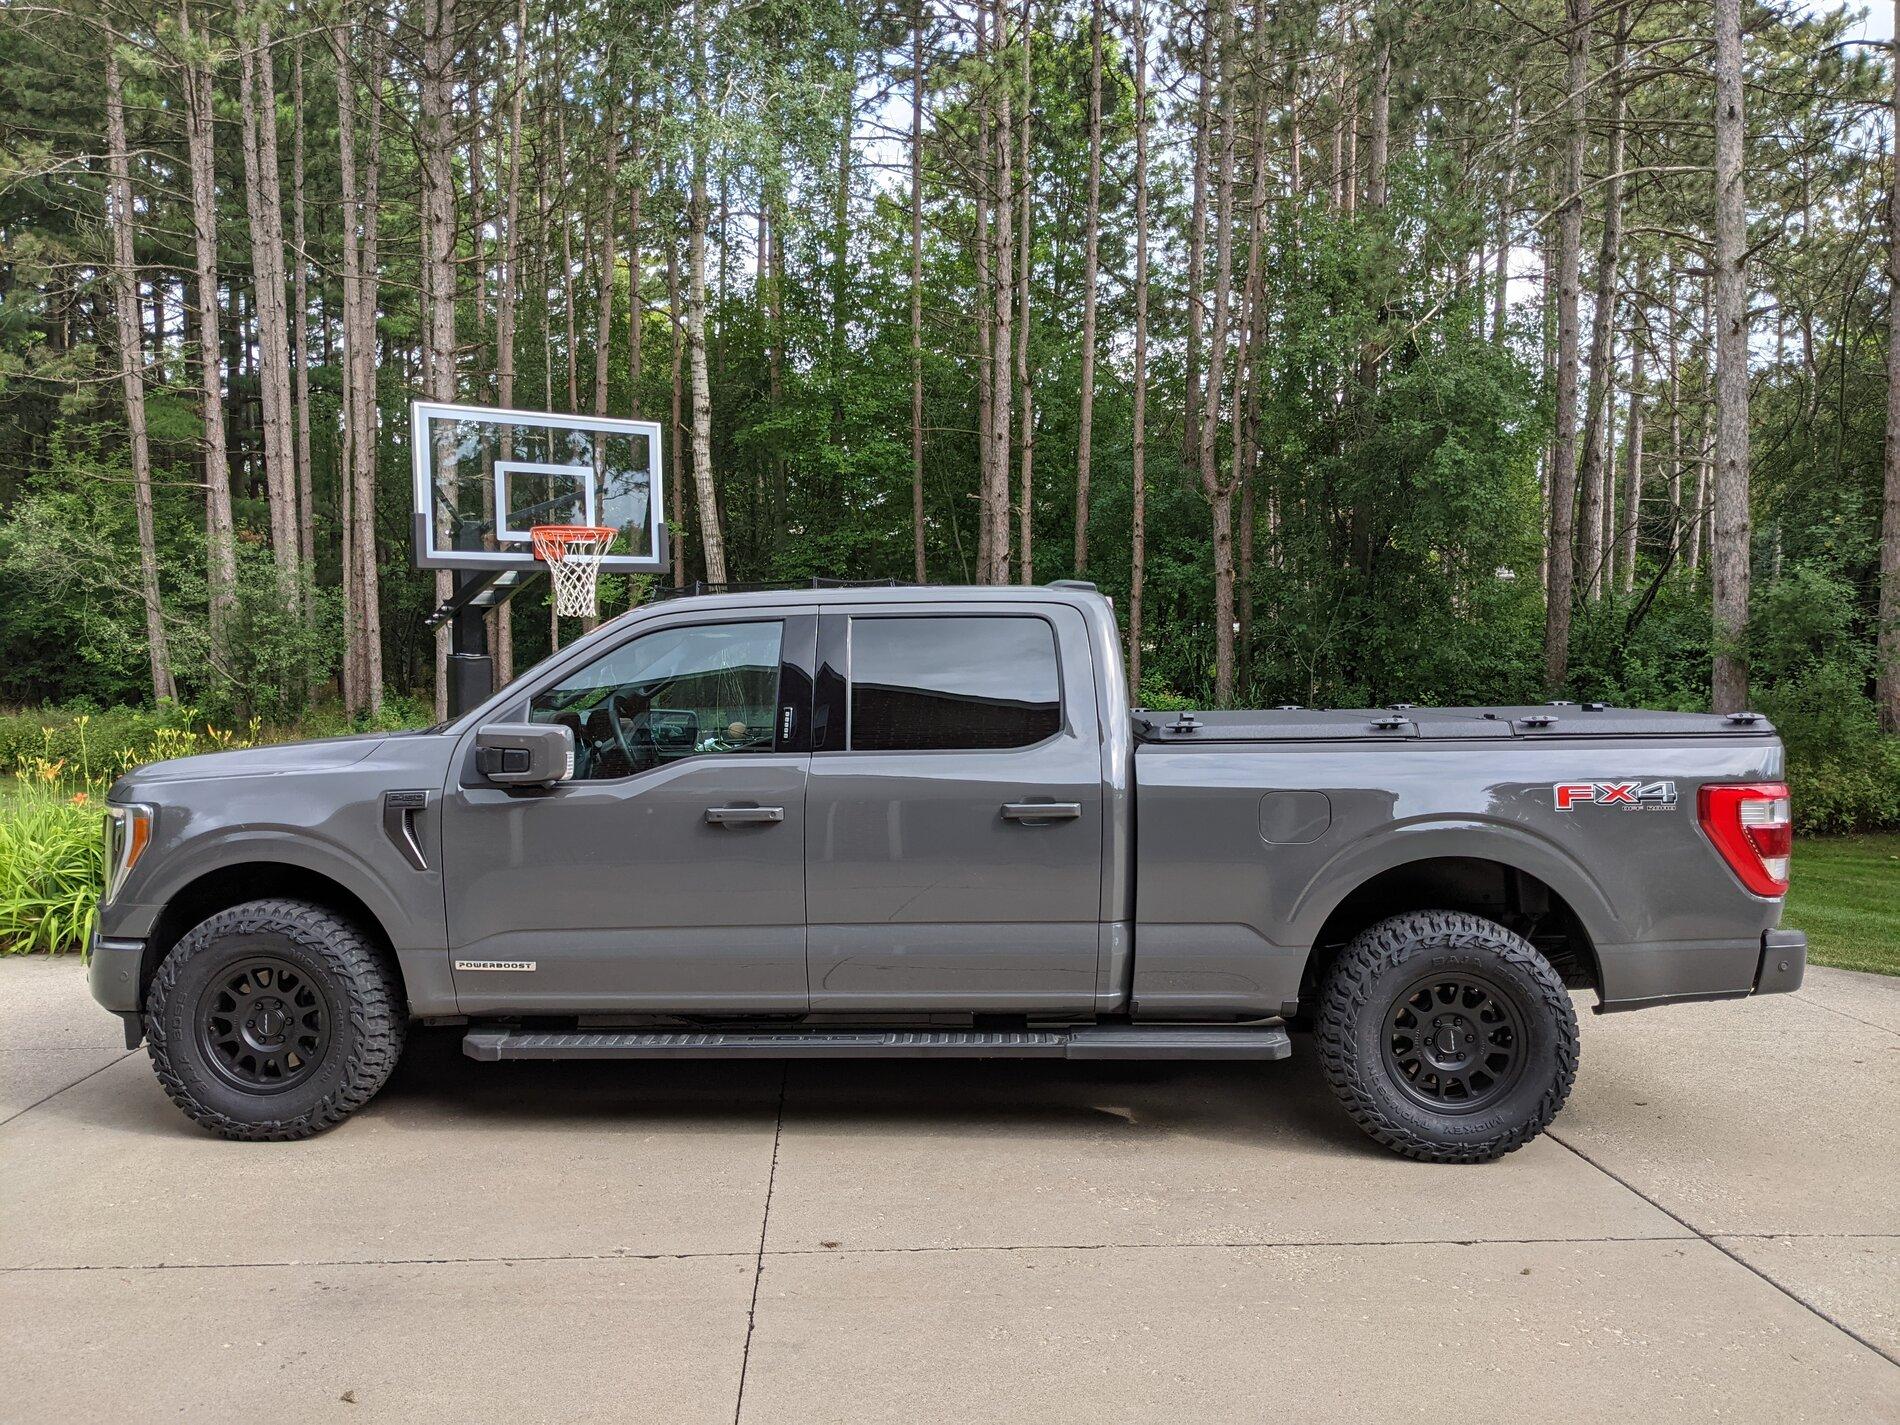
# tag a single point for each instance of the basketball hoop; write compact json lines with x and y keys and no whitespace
{"x":572,"y":553}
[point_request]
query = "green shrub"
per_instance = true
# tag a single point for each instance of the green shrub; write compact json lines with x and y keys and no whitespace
{"x":56,"y":765}
{"x":88,"y":742}
{"x":51,"y":868}
{"x":1856,"y":793}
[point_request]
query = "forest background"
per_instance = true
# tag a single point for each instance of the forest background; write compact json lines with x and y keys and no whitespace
{"x":1363,"y":352}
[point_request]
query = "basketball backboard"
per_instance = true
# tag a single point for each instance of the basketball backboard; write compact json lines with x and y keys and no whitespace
{"x":484,"y":477}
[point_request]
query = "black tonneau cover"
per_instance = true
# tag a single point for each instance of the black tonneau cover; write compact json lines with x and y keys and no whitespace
{"x":1403,"y":722}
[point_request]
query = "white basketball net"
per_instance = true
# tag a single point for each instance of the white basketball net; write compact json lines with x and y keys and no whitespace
{"x":572,"y":554}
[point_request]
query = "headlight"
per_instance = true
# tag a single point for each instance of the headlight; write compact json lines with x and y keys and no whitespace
{"x":128,"y":833}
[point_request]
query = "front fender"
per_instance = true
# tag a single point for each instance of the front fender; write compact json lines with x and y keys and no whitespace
{"x":407,"y":922}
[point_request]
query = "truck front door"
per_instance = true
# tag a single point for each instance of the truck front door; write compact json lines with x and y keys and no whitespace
{"x":954,"y":834}
{"x":668,"y":874}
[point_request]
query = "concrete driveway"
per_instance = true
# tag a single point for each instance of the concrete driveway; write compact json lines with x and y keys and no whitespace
{"x":1713,"y":1230}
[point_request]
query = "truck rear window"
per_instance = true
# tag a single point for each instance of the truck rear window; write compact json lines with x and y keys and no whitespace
{"x":949,"y":683}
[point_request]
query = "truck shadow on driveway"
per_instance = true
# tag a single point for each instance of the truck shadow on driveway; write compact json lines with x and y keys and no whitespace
{"x":1245,"y":1103}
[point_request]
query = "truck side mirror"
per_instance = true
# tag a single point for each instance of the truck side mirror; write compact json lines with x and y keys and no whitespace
{"x":525,"y":754}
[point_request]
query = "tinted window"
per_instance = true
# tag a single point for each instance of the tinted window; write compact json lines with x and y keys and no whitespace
{"x":672,"y":693}
{"x":920,"y":683}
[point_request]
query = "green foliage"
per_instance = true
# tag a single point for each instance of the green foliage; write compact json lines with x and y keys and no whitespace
{"x":81,"y":743}
{"x":1846,"y":894}
{"x":84,"y":623}
{"x":280,"y":644}
{"x":1398,"y":513}
{"x":1856,"y":792}
{"x":51,"y":867}
{"x":56,"y":765}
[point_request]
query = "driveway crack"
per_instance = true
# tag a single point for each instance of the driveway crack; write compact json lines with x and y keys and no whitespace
{"x":1802,"y":999}
{"x":758,"y":1262}
{"x":21,"y":1113}
{"x":1618,"y":1178}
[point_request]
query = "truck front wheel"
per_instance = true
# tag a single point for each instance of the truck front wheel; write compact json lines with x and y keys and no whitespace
{"x":1448,"y":1038}
{"x":275,"y":1019}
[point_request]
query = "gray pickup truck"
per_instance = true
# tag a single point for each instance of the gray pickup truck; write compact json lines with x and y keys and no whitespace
{"x":927,"y":822}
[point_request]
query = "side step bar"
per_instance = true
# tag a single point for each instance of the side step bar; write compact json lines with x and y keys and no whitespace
{"x":1085,"y":1042}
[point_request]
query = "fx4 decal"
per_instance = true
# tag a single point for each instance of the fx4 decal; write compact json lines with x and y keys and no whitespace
{"x":1631,"y":796}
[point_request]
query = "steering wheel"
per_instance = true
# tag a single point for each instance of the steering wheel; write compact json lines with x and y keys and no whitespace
{"x":617,"y":721}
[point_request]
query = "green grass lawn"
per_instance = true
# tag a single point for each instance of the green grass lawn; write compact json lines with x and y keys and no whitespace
{"x":1846,"y":895}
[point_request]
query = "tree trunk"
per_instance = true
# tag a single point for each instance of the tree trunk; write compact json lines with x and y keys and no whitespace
{"x":1729,"y":532}
{"x":1024,"y":255}
{"x":1091,"y":258}
{"x":1001,"y":326}
{"x":361,"y":199}
{"x":840,"y":275}
{"x":676,"y":430}
{"x":501,"y":630}
{"x":264,"y":206}
{"x":1197,"y":239}
{"x":1501,"y":292}
{"x":712,"y":541}
{"x":1674,"y":379}
{"x":436,"y":159}
{"x":564,"y":185}
{"x":1380,"y":137}
{"x":1563,"y":456}
{"x":300,"y":336}
{"x":604,"y":314}
{"x":355,"y":693}
{"x":1632,"y":502}
{"x":125,"y":303}
{"x":1592,"y":552}
{"x":916,"y":290}
{"x":1705,"y":437}
{"x":1219,"y":490}
{"x":220,"y":530}
{"x":1606,"y":528}
{"x":479,"y":213}
{"x":1888,"y":687}
{"x":985,"y":299}
{"x":1138,"y":551}
{"x":544,"y":259}
{"x":1251,"y":351}
{"x":1379,"y":141}
{"x":636,"y":308}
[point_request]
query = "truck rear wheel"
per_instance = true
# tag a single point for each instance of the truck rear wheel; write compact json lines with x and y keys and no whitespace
{"x":275,"y":1019}
{"x":1448,"y":1038}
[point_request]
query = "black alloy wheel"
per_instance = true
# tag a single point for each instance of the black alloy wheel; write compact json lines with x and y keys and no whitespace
{"x":274,"y":1019}
{"x":1454,"y":1043}
{"x":1448,"y":1037}
{"x":263,"y":1025}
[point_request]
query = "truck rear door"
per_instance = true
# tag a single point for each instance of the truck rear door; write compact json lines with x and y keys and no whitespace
{"x":954,"y":816}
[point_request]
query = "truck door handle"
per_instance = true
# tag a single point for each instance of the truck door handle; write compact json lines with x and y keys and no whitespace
{"x":1041,"y":811}
{"x":744,"y":816}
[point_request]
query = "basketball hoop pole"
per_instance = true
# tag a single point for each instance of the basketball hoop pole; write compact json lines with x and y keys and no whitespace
{"x":471,"y":669}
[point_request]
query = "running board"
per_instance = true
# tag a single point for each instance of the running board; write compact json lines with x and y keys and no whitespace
{"x":1087,"y":1042}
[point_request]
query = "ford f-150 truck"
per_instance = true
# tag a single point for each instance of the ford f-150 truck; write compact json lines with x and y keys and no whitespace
{"x":927,"y":822}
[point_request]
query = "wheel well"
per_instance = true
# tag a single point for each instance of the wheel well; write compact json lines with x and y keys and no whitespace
{"x":1514,"y":898}
{"x":254,"y":881}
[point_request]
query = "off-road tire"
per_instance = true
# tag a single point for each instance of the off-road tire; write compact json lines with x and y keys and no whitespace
{"x":1362,"y":990}
{"x":367,"y":1019}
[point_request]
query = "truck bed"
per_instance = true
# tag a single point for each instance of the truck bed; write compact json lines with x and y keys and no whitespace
{"x":1403,"y":722}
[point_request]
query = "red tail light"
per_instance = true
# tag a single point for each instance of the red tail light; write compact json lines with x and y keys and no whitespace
{"x":1751,"y":826}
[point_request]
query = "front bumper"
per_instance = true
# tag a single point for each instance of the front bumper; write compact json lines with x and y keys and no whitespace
{"x":113,"y":970}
